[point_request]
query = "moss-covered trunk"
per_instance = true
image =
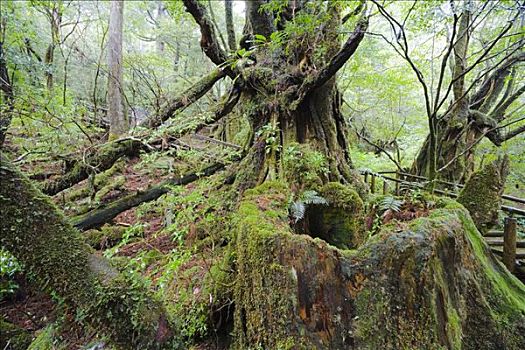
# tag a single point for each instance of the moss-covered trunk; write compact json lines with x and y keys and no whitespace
{"x":56,"y":257}
{"x":280,"y":113}
{"x":431,"y":285}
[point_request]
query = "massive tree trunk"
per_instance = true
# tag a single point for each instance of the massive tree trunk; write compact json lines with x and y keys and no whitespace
{"x":432,"y":284}
{"x":293,"y":98}
{"x":59,"y":261}
{"x":119,"y":124}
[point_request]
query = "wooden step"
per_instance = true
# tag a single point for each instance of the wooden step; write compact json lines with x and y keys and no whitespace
{"x":494,"y":233}
{"x":520,"y":252}
{"x":498,"y":241}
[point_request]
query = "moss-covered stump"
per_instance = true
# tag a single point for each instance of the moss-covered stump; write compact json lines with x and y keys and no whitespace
{"x":57,"y":258}
{"x":341,"y":221}
{"x":482,"y":193}
{"x":432,"y":285}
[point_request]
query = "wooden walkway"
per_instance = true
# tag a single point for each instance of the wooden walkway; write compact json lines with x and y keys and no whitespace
{"x":505,"y":244}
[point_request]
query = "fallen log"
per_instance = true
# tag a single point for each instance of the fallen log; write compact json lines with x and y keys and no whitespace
{"x":59,"y":261}
{"x":99,"y":159}
{"x":98,"y":217}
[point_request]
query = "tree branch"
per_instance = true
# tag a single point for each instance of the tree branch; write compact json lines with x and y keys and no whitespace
{"x":336,"y":62}
{"x":209,"y":43}
{"x":188,"y":97}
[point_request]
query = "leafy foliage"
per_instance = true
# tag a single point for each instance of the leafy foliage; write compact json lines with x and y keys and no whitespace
{"x":9,"y":267}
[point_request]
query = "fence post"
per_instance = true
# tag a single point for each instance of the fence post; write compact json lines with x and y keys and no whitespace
{"x":385,"y":186}
{"x":366,"y":177}
{"x":373,"y":184}
{"x":509,"y":243}
{"x":399,"y":177}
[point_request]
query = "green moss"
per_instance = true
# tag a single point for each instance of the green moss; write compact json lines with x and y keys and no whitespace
{"x":341,"y":222}
{"x":482,"y":194}
{"x":44,"y":340}
{"x":13,"y":337}
{"x":57,"y":258}
{"x":106,"y":237}
{"x":261,"y":228}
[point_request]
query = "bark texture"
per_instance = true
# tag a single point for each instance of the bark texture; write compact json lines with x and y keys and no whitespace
{"x":431,"y":285}
{"x":118,"y":123}
{"x":482,"y":193}
{"x":59,"y":261}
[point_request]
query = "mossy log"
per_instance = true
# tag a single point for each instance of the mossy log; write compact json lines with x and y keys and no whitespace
{"x":57,"y":258}
{"x":98,"y":217}
{"x":100,"y":159}
{"x":482,"y":193}
{"x":431,"y":285}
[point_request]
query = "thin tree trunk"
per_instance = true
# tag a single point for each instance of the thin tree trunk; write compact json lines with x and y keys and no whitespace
{"x":7,"y":106}
{"x":230,"y":29}
{"x":119,"y":124}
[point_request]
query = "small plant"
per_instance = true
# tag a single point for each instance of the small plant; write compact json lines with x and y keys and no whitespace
{"x":390,"y":203}
{"x":298,"y":207}
{"x":9,"y":266}
{"x":270,"y":134}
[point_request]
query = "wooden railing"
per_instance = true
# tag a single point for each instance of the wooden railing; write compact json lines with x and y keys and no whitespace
{"x":510,"y":243}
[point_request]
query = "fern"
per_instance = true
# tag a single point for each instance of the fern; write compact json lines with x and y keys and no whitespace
{"x":298,"y":208}
{"x":390,"y":203}
{"x":312,"y":197}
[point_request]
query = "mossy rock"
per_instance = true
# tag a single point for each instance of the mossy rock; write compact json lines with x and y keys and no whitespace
{"x":341,"y":222}
{"x":432,"y":285}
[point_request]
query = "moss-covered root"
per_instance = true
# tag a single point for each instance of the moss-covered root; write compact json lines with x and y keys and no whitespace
{"x":59,"y":260}
{"x":482,"y":193}
{"x":433,"y":285}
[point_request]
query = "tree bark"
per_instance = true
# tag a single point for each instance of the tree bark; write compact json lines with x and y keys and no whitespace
{"x":230,"y":29}
{"x":431,"y":285}
{"x":119,"y":124}
{"x":296,"y":99}
{"x":59,"y":261}
{"x":8,"y":97}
